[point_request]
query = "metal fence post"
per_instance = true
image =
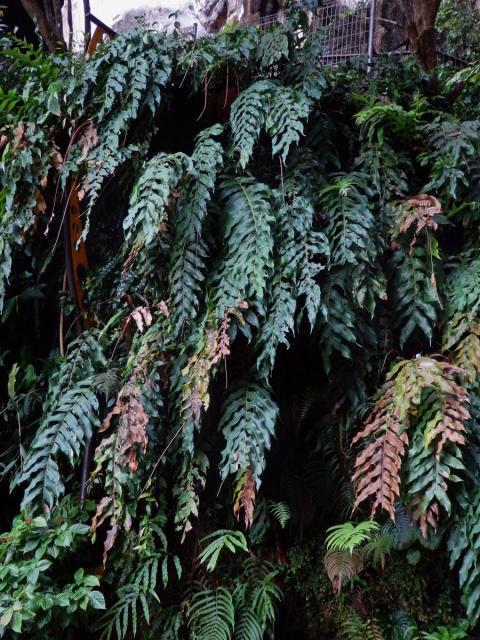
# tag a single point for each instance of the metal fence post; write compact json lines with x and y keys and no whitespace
{"x":371,"y":32}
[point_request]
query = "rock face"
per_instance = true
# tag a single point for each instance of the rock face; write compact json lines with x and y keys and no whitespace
{"x":391,"y":26}
{"x":209,"y":15}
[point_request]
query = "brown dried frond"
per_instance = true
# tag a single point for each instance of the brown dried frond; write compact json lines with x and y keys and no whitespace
{"x":216,"y":347}
{"x":132,"y":424}
{"x":428,"y":517}
{"x":377,"y":467}
{"x":467,"y":354}
{"x":449,"y":427}
{"x":245,"y":498}
{"x":342,"y":564}
{"x":141,"y":317}
{"x":417,"y":213}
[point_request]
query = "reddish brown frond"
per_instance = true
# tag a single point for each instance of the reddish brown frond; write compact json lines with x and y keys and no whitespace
{"x":245,"y":497}
{"x":342,"y":564}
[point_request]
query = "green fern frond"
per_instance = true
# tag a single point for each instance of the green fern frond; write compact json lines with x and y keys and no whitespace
{"x":273,"y":46}
{"x":190,"y":479}
{"x":222,"y":539}
{"x":300,"y":254}
{"x":71,"y":414}
{"x":151,"y":194}
{"x":248,"y":424}
{"x":415,"y":298}
{"x":281,"y":511}
{"x":247,"y":117}
{"x":189,"y":250}
{"x":247,"y":237}
{"x":212,"y":614}
{"x":348,"y":536}
{"x":284,"y":123}
{"x":351,"y":221}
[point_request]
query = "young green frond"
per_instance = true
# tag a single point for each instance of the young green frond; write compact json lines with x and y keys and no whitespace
{"x":222,"y":539}
{"x":348,"y":536}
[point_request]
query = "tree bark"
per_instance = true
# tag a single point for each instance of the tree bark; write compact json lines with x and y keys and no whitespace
{"x":48,"y":30}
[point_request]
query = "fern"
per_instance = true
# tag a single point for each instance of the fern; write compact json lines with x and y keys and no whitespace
{"x":428,"y":387}
{"x":436,"y":458}
{"x":26,"y":161}
{"x":300,"y":253}
{"x":150,"y":196}
{"x":288,"y":109}
{"x":71,"y":409}
{"x":190,"y":478}
{"x":348,"y":536}
{"x":341,"y":565}
{"x":415,"y":298}
{"x":248,"y":424}
{"x":246,"y":625}
{"x":122,"y":83}
{"x":336,"y":330}
{"x":281,"y":511}
{"x":189,"y":250}
{"x":351,"y":220}
{"x":304,"y":72}
{"x":231,"y":540}
{"x":464,"y":548}
{"x":354,"y":628}
{"x":212,"y":614}
{"x":247,"y":117}
{"x":248,"y":242}
{"x":273,"y":46}
{"x":453,"y":146}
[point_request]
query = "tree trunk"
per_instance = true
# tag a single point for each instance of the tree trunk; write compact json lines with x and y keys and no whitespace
{"x":48,"y":29}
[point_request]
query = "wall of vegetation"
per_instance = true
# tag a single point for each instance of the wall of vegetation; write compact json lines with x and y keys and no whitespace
{"x":279,"y":380}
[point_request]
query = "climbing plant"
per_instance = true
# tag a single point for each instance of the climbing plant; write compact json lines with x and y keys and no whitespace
{"x":265,"y":420}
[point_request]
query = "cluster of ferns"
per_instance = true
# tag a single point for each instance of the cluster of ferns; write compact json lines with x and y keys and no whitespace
{"x":327,"y":224}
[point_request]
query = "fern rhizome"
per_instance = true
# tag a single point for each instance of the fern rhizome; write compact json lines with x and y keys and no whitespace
{"x":281,"y":334}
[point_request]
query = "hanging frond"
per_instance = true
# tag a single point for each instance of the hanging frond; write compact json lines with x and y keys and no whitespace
{"x":464,"y":548}
{"x":212,"y":614}
{"x":284,"y":123}
{"x":248,"y":424}
{"x":247,"y":117}
{"x":191,"y":479}
{"x":273,"y":45}
{"x":245,"y":496}
{"x":414,"y":297}
{"x":300,"y":254}
{"x":71,"y":414}
{"x":427,"y":388}
{"x":248,"y":242}
{"x":150,"y":197}
{"x":189,"y":250}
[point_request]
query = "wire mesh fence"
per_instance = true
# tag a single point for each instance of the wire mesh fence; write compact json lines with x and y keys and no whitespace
{"x":345,"y":26}
{"x":345,"y":30}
